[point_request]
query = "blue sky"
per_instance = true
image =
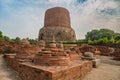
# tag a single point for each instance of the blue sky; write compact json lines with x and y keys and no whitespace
{"x":24,"y":18}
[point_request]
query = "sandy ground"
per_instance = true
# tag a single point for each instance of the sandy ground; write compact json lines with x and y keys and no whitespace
{"x":6,"y":73}
{"x":108,"y":70}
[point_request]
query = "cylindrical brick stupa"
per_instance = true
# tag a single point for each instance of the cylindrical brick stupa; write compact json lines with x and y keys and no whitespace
{"x":57,"y":24}
{"x":57,"y":17}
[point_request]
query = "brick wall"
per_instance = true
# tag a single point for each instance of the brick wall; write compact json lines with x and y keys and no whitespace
{"x":57,"y":16}
{"x":30,"y":71}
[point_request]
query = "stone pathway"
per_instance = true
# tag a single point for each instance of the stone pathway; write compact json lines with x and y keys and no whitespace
{"x":5,"y":72}
{"x":108,"y":70}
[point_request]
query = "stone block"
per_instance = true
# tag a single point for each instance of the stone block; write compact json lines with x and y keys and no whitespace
{"x":96,"y":62}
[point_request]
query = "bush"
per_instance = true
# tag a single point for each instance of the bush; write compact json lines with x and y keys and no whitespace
{"x":118,"y":42}
{"x":90,"y":41}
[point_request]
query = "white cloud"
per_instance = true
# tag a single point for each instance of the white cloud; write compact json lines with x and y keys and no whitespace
{"x":59,"y":1}
{"x":88,"y":16}
{"x":110,"y":4}
{"x":22,"y":22}
{"x":26,"y":21}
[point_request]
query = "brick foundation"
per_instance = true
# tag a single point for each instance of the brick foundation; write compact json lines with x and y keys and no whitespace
{"x":29,"y":71}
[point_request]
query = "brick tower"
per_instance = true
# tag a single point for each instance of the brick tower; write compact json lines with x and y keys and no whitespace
{"x":57,"y":24}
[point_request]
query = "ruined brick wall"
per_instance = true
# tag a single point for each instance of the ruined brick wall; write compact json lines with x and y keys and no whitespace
{"x":74,"y":73}
{"x":29,"y":71}
{"x":57,"y":17}
{"x":26,"y":72}
{"x":86,"y":48}
{"x":104,"y":50}
{"x":10,"y":59}
{"x":117,"y":54}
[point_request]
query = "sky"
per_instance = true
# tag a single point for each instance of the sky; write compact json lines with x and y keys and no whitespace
{"x":24,"y":18}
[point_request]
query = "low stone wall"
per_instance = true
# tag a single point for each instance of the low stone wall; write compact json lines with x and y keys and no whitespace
{"x":104,"y":50}
{"x":29,"y":71}
{"x":10,"y":59}
{"x":117,"y":54}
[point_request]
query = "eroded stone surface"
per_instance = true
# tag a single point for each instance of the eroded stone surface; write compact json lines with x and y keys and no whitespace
{"x":29,"y":71}
{"x":54,"y":55}
{"x":57,"y":23}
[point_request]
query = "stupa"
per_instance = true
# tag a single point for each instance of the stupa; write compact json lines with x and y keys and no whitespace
{"x":52,"y":55}
{"x":57,"y":23}
{"x":52,"y":62}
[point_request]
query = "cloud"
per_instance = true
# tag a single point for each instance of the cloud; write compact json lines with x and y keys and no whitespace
{"x":21,"y":21}
{"x":94,"y":14}
{"x":24,"y":18}
{"x":59,"y":1}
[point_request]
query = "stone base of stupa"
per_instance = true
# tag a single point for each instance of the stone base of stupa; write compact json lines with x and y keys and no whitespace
{"x":60,"y":34}
{"x":75,"y":71}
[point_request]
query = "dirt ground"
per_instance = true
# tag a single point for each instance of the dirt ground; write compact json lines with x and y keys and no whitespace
{"x":108,"y":70}
{"x":6,"y":73}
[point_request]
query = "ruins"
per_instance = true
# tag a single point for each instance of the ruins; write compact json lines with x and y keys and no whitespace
{"x":49,"y":60}
{"x":57,"y":23}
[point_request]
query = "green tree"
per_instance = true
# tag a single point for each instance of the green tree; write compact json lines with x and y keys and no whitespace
{"x":112,"y":40}
{"x":17,"y":39}
{"x":1,"y":36}
{"x":7,"y":38}
{"x":117,"y":36}
{"x":90,"y":41}
{"x":31,"y":40}
{"x":93,"y":35}
{"x":106,"y":33}
{"x":80,"y":41}
{"x":102,"y":41}
{"x":97,"y":34}
{"x":118,"y":42}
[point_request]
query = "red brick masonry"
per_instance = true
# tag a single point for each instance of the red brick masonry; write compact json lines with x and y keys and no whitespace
{"x":29,"y":71}
{"x":57,"y":16}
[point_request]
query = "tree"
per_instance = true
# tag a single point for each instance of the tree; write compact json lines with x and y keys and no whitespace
{"x":112,"y":40}
{"x":117,"y":36}
{"x":80,"y":41}
{"x":32,"y":40}
{"x":97,"y":34}
{"x":17,"y":39}
{"x":118,"y":42}
{"x":1,"y":36}
{"x":90,"y":41}
{"x":106,"y":33}
{"x":104,"y":36}
{"x":102,"y":41}
{"x":93,"y":35}
{"x":6,"y":38}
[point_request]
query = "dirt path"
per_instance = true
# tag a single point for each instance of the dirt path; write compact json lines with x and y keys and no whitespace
{"x":5,"y":72}
{"x":108,"y":70}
